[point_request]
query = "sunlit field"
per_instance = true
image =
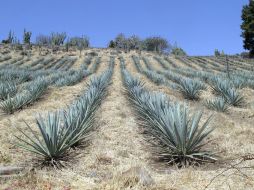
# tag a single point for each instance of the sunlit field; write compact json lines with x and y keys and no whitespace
{"x":114,"y":119}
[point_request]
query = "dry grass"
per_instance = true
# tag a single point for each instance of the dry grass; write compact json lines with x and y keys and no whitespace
{"x":117,"y":147}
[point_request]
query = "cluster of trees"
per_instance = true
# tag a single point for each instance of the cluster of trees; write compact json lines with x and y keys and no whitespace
{"x":155,"y":44}
{"x":178,"y":51}
{"x":54,"y":40}
{"x":79,"y":42}
{"x":12,"y":39}
{"x":248,"y":27}
{"x":218,"y":53}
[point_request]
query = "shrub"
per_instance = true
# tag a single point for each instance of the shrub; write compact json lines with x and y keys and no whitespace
{"x":58,"y":39}
{"x":157,"y":44}
{"x":80,"y":42}
{"x":178,"y":51}
{"x":111,"y":44}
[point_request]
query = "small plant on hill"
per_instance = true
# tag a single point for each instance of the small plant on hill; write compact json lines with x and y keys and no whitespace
{"x":218,"y":104}
{"x":191,"y":89}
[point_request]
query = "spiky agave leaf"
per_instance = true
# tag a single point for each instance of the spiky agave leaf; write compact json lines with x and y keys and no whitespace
{"x":218,"y":104}
{"x":191,"y":89}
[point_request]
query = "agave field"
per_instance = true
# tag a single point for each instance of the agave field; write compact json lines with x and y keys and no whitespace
{"x":114,"y":120}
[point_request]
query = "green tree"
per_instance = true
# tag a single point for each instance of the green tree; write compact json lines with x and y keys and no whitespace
{"x":120,"y":41}
{"x":111,"y":44}
{"x":134,"y":42}
{"x":216,"y":52}
{"x":10,"y":38}
{"x":248,"y":27}
{"x":178,"y":51}
{"x":79,"y":42}
{"x":27,"y":37}
{"x":58,"y":39}
{"x":156,"y":44}
{"x":42,"y":40}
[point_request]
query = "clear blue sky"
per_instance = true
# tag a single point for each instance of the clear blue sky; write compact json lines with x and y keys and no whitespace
{"x":197,"y":26}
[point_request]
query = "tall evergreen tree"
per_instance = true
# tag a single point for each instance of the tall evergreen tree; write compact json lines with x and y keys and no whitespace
{"x":248,"y":27}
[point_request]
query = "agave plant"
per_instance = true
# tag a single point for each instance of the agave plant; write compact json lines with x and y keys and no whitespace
{"x":36,"y":90}
{"x":31,"y":93}
{"x":79,"y":118}
{"x":220,"y":85}
{"x":7,"y":89}
{"x":53,"y":142}
{"x":234,"y":98}
{"x":23,"y":77}
{"x":191,"y":89}
{"x":180,"y":136}
{"x":218,"y":104}
{"x":155,"y":77}
{"x":239,"y":82}
{"x":71,"y":79}
{"x":10,"y":105}
{"x":176,"y":137}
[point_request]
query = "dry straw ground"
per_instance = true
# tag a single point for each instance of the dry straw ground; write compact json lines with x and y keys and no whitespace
{"x":117,"y":156}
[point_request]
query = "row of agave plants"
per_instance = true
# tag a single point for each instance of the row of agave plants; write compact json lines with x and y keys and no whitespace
{"x":10,"y":72}
{"x":5,"y":58}
{"x":151,"y":74}
{"x":237,"y":77}
{"x":175,"y":135}
{"x":226,"y":89}
{"x":190,"y":88}
{"x":61,"y":132}
{"x":234,"y":64}
{"x":15,"y":96}
{"x":191,"y":62}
